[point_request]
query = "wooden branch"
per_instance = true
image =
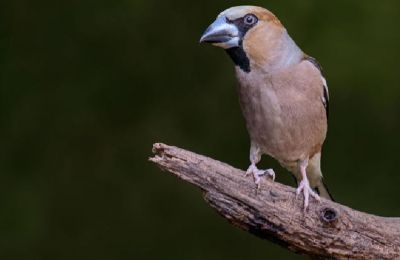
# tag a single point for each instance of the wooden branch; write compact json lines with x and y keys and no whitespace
{"x":326,"y":230}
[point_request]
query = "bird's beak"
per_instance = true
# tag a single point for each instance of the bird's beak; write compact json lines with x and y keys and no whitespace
{"x":222,"y":34}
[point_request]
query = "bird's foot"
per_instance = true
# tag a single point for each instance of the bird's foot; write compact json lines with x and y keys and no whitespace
{"x":307,"y":191}
{"x":258,"y":173}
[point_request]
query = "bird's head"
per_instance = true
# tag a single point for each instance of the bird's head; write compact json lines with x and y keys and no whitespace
{"x":251,"y":35}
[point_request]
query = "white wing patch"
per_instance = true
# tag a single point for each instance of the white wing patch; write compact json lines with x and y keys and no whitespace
{"x":325,"y":97}
{"x":325,"y":86}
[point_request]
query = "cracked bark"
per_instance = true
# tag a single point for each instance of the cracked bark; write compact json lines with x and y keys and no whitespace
{"x":326,"y":230}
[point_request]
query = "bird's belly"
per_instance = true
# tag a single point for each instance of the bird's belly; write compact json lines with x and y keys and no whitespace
{"x":283,"y":127}
{"x":270,"y":134}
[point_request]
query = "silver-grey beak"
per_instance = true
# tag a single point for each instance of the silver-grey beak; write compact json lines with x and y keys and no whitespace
{"x":221,"y":33}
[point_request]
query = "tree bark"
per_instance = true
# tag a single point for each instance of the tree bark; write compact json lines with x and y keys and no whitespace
{"x":326,"y":230}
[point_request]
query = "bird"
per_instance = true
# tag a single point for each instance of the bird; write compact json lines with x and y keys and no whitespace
{"x":283,"y":95}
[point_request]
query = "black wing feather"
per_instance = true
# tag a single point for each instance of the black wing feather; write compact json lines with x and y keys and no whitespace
{"x":326,"y":92}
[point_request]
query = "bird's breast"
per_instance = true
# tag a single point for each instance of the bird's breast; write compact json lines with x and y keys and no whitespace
{"x":262,"y":111}
{"x":283,"y":117}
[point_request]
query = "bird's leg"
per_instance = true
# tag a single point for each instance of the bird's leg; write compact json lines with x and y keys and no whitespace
{"x":258,"y":173}
{"x":255,"y":157}
{"x":305,"y":184}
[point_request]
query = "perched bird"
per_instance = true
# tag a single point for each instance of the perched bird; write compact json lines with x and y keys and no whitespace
{"x":283,"y":94}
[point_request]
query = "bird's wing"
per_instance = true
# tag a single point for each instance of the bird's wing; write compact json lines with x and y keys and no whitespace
{"x":325,"y":98}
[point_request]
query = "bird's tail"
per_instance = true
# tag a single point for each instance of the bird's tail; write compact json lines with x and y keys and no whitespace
{"x":323,"y":191}
{"x":314,"y":175}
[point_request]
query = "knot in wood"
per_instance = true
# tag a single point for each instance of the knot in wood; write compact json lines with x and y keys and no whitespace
{"x":329,"y":215}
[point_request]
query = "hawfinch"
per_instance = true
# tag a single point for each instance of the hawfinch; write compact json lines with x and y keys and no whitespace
{"x":283,"y":95}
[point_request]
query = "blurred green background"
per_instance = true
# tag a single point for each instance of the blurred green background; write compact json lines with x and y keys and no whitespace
{"x":88,"y":86}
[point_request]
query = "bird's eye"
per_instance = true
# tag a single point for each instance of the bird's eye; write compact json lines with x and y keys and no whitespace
{"x":250,"y":19}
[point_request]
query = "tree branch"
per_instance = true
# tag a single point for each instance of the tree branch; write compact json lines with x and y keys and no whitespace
{"x":327,"y":229}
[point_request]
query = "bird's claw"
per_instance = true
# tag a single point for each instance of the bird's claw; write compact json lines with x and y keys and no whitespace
{"x":258,"y":173}
{"x":307,"y":191}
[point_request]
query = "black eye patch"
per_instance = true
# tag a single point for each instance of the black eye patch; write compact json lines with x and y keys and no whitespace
{"x":237,"y":54}
{"x":244,"y":24}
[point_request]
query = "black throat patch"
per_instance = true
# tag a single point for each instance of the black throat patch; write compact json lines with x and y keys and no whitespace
{"x":239,"y":57}
{"x":237,"y":54}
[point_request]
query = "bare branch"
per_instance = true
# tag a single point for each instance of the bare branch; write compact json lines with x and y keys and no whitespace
{"x":327,"y":229}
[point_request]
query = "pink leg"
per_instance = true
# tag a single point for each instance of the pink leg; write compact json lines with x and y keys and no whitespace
{"x":258,"y":173}
{"x":255,"y":157}
{"x":305,"y":185}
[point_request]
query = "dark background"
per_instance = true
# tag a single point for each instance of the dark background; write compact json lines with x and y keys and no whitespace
{"x":88,"y":86}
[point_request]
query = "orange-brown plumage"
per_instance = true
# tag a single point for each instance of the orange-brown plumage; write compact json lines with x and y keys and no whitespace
{"x":282,"y":93}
